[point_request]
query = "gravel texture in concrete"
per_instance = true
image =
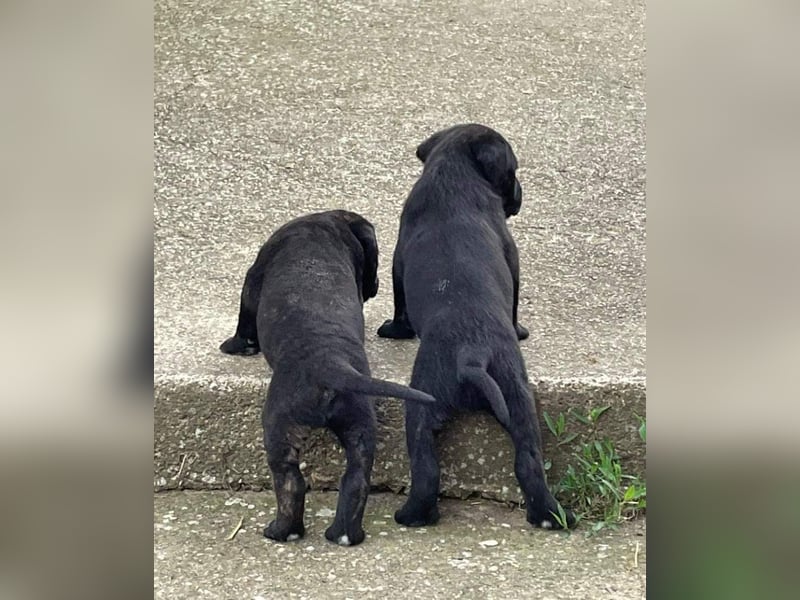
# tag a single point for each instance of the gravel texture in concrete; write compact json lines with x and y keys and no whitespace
{"x":208,"y":436}
{"x":480,"y":549}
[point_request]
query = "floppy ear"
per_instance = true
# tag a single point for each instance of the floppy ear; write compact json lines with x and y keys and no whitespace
{"x":497,"y":164}
{"x":511,"y":207}
{"x":424,"y":149}
{"x":493,"y":161}
{"x":365,"y":233}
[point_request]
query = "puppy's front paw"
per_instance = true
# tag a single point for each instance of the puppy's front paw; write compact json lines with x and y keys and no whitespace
{"x":411,"y":516}
{"x":338,"y":535}
{"x":282,"y":533}
{"x":240,"y":346}
{"x":396,"y":330}
{"x":545,"y":517}
{"x":522,"y":333}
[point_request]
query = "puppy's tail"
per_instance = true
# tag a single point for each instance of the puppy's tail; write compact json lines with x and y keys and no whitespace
{"x":471,"y":368}
{"x":348,"y":379}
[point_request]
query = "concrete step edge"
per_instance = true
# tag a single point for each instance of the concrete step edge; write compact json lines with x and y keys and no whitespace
{"x":208,"y":435}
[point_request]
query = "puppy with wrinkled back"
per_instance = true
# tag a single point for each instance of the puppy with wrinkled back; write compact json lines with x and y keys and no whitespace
{"x":301,"y":305}
{"x":456,"y":286}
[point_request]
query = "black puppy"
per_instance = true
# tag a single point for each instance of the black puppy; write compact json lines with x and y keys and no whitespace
{"x":456,"y":285}
{"x":302,"y":305}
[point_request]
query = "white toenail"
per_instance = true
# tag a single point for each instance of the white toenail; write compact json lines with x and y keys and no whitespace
{"x":547,"y":524}
{"x":343,"y":541}
{"x":292,"y":537}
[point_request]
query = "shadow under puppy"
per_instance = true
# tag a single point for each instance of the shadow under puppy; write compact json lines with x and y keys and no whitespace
{"x":456,"y":285}
{"x":301,"y":305}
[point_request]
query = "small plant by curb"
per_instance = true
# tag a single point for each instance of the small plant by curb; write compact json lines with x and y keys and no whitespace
{"x":593,"y":484}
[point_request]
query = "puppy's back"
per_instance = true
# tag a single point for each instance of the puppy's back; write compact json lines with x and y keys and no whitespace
{"x":310,"y":316}
{"x":310,"y":290}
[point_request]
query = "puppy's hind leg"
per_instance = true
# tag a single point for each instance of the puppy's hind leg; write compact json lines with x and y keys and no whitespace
{"x":245,"y":341}
{"x":523,"y":428}
{"x":354,"y":425}
{"x":421,"y":506}
{"x":282,"y":440}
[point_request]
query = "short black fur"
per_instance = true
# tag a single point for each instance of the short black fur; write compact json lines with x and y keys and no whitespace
{"x":456,"y":285}
{"x":301,"y":305}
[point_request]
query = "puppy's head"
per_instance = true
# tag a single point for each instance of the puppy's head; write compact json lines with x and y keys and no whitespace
{"x":368,"y":269}
{"x":489,"y":151}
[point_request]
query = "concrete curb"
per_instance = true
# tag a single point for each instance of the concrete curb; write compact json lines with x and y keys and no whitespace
{"x":208,"y":436}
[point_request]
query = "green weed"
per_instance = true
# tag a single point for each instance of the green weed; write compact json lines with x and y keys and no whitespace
{"x":593,"y":484}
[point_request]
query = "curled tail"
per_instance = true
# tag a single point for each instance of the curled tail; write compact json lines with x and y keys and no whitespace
{"x":348,"y":379}
{"x":471,"y":368}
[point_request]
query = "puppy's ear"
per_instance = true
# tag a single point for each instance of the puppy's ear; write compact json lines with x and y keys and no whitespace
{"x":424,"y":149}
{"x":511,"y":207}
{"x":498,"y":165}
{"x":365,"y":233}
{"x":494,"y":160}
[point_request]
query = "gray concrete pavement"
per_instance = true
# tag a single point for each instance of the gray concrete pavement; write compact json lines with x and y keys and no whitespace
{"x":479,"y":549}
{"x":264,"y":111}
{"x":268,"y":110}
